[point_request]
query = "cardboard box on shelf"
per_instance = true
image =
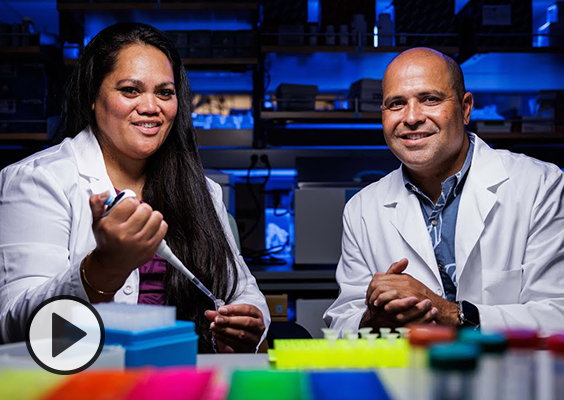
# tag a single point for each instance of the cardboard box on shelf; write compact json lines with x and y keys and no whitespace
{"x":278,"y":306}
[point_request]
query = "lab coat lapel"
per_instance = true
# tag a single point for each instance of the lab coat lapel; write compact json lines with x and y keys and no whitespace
{"x":90,"y":162}
{"x":406,"y":216}
{"x":477,"y":202}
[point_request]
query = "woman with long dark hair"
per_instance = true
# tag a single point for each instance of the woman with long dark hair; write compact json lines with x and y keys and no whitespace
{"x":127,"y":125}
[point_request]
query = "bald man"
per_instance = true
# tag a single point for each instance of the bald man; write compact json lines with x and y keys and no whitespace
{"x":460,"y":234}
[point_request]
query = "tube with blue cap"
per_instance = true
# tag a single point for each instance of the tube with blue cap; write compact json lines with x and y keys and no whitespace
{"x":164,"y":251}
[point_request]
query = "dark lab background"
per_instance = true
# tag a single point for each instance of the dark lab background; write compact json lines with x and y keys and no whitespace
{"x":287,"y":98}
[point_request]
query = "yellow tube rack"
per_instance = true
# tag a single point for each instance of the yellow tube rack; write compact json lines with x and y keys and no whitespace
{"x":339,"y":353}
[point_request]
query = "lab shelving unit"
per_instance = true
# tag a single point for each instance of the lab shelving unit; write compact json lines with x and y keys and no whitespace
{"x":269,"y":130}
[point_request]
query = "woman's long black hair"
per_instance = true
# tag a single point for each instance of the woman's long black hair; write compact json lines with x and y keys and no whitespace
{"x":175,"y":183}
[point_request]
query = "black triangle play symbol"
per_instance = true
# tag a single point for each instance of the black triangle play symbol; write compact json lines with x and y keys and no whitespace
{"x":64,"y":334}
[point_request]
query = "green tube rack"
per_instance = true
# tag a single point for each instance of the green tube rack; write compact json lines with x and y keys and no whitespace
{"x":267,"y":384}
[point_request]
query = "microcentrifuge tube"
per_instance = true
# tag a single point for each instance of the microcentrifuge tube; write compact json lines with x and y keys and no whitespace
{"x":403,"y":332}
{"x":385,"y":332}
{"x":364,"y":332}
{"x":372,"y":338}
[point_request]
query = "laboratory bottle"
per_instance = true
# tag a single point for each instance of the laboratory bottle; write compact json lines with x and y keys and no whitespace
{"x":555,"y":344}
{"x":385,"y":30}
{"x":519,"y":365}
{"x":486,"y":384}
{"x":359,"y":30}
{"x":330,"y":35}
{"x":313,"y":33}
{"x":343,"y":35}
{"x":420,"y":339}
{"x":453,"y":366}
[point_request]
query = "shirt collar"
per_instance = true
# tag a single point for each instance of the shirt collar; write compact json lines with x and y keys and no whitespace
{"x":458,"y":177}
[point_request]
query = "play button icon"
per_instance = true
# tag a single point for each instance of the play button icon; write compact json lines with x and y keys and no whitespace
{"x":65,"y":335}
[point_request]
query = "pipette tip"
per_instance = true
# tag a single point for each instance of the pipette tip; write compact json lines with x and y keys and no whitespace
{"x":218,"y":303}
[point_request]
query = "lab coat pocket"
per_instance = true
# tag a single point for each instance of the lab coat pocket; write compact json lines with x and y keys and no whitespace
{"x":501,"y":287}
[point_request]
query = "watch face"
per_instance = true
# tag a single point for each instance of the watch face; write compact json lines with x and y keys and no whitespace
{"x":469,"y":314}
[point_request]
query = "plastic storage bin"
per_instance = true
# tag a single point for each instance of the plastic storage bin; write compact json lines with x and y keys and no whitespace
{"x":16,"y":355}
{"x":290,"y":97}
{"x":161,"y":347}
{"x":367,"y":93}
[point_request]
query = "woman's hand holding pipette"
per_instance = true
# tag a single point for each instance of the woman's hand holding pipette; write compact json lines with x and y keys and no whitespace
{"x":237,"y":328}
{"x":126,"y":239}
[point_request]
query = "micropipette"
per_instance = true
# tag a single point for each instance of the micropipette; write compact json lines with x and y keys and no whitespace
{"x":164,"y":251}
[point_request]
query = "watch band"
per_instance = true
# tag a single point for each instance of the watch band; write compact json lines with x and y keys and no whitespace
{"x":468,"y":314}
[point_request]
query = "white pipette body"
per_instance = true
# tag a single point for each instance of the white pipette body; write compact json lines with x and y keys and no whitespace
{"x":164,"y":251}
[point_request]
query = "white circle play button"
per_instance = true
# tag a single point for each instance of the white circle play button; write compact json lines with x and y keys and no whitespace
{"x":65,"y":335}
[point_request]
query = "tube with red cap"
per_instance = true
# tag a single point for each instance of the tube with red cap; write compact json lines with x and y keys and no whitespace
{"x":519,"y":378}
{"x":555,"y":344}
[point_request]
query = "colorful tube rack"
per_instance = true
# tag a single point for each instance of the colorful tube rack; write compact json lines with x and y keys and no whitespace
{"x":339,"y":353}
{"x":299,"y":385}
{"x":178,"y":383}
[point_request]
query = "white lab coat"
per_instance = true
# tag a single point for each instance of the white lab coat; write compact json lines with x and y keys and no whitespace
{"x":509,"y":244}
{"x":46,"y":231}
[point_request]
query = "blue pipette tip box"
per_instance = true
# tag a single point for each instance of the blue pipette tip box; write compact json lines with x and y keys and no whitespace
{"x":160,"y":347}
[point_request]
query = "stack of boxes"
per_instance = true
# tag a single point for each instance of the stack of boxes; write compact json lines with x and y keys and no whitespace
{"x":22,"y":83}
{"x":480,"y":23}
{"x":365,"y":95}
{"x":425,"y":23}
{"x":216,"y":44}
{"x":291,"y":97}
{"x":223,"y":44}
{"x":341,"y":22}
{"x":17,"y":35}
{"x":284,"y":21}
{"x":339,"y":16}
{"x":497,"y":23}
{"x":200,"y":43}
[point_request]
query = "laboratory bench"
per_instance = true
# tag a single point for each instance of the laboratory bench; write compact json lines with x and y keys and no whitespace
{"x":395,"y":380}
{"x":398,"y":382}
{"x":230,"y":375}
{"x":291,"y":278}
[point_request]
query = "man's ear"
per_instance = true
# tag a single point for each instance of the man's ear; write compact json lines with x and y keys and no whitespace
{"x":467,"y":105}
